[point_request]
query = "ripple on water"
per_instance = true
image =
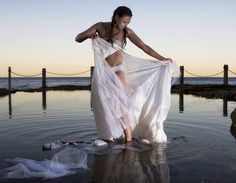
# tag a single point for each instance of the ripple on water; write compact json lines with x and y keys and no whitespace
{"x":200,"y":137}
{"x":56,"y":123}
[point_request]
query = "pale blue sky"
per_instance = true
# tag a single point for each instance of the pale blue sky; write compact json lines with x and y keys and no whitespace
{"x":197,"y":34}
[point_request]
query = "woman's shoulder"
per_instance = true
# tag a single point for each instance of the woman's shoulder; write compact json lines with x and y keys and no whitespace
{"x":106,"y":23}
{"x":104,"y":28}
{"x":129,"y":30}
{"x":101,"y":25}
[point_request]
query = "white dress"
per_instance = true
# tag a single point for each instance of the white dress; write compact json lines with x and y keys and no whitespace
{"x":145,"y":99}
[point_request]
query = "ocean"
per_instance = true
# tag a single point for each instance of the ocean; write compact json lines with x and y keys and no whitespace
{"x":36,"y":82}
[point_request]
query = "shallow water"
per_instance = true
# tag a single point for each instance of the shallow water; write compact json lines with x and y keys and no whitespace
{"x":200,"y":148}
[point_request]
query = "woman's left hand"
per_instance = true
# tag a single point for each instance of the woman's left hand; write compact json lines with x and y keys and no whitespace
{"x":167,"y":59}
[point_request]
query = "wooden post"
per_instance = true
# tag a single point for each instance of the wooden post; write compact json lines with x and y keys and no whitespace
{"x":182,"y":75}
{"x":44,"y":78}
{"x":9,"y":78}
{"x":225,"y":75}
{"x":91,"y":73}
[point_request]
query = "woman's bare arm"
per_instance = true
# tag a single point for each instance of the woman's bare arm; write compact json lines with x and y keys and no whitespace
{"x":147,"y":49}
{"x":89,"y":33}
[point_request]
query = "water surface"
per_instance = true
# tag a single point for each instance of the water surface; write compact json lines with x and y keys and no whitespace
{"x":200,"y":148}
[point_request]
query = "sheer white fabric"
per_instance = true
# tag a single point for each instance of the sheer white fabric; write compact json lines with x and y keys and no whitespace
{"x":62,"y":163}
{"x":145,"y":99}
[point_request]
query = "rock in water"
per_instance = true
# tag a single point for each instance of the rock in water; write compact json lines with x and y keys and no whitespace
{"x":99,"y":142}
{"x":233,"y":117}
{"x":50,"y":146}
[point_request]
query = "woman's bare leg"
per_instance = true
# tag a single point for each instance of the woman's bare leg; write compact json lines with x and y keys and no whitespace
{"x":127,"y":131}
{"x":121,"y":75}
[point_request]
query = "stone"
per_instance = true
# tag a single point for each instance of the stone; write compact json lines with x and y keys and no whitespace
{"x":233,"y":118}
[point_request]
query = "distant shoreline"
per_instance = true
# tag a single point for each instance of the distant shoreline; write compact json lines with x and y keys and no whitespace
{"x":206,"y":90}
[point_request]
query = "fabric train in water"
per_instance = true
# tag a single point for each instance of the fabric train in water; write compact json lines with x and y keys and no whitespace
{"x":62,"y":163}
{"x":145,"y":98}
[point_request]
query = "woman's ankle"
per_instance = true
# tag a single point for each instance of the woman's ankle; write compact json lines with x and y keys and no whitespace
{"x":128,"y":135}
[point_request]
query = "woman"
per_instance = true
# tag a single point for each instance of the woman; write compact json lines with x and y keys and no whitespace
{"x":116,"y":32}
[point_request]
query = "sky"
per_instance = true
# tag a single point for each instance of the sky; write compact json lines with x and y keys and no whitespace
{"x":198,"y":34}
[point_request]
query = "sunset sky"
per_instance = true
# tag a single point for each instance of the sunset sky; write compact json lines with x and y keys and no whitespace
{"x":40,"y":33}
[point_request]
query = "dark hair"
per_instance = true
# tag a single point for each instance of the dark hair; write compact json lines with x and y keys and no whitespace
{"x":120,"y":11}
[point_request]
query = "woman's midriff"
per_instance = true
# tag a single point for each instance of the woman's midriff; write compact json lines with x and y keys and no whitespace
{"x":115,"y":59}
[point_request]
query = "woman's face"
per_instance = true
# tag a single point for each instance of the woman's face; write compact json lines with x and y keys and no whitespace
{"x":122,"y":22}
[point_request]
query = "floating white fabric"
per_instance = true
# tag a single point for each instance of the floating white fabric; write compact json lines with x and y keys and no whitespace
{"x":67,"y":160}
{"x":145,"y":99}
{"x":62,"y":163}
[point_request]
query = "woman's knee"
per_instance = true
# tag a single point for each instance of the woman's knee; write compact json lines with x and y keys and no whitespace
{"x":121,"y":75}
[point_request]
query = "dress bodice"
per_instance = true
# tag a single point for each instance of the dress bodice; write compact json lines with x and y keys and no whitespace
{"x":115,"y":41}
{"x":118,"y":42}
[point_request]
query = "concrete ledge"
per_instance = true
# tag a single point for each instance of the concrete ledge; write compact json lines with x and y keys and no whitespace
{"x":207,"y":91}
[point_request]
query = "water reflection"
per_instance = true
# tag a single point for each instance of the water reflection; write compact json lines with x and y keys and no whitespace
{"x":181,"y":103}
{"x":130,"y":165}
{"x":44,"y":100}
{"x":10,"y":106}
{"x":225,"y":106}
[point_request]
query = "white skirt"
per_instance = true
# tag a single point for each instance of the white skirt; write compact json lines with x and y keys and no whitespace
{"x":144,"y":100}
